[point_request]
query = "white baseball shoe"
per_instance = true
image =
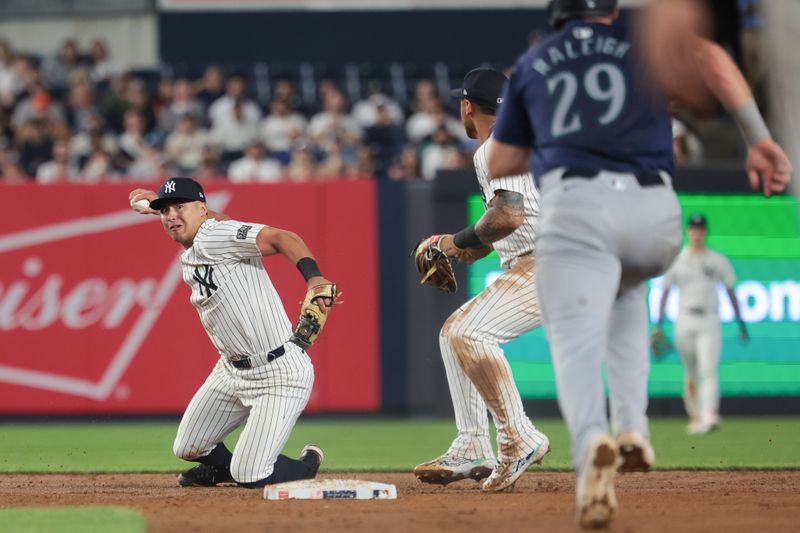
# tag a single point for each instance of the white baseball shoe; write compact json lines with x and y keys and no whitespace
{"x":595,"y":501}
{"x":636,"y":451}
{"x":507,"y":471}
{"x":448,"y":468}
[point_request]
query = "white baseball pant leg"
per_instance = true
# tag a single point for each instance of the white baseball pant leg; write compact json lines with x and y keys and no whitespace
{"x":699,"y":343}
{"x":275,"y":395}
{"x":478,"y":373}
{"x":213,"y":413}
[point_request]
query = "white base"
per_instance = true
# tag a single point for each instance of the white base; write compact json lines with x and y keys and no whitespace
{"x":330,"y":489}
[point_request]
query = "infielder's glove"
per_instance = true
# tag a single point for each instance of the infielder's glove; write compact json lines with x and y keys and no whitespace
{"x":660,"y":344}
{"x":312,"y":316}
{"x":435,"y":266}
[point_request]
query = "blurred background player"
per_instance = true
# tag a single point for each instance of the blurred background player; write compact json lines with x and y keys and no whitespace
{"x":597,"y":136}
{"x":696,"y":272}
{"x":477,"y":371}
{"x":261,"y":380}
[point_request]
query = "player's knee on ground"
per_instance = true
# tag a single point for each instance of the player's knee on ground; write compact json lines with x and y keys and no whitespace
{"x":241,"y":474}
{"x":188,"y":451}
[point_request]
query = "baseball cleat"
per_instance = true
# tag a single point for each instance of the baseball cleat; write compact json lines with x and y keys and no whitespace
{"x":205,"y":476}
{"x":507,"y":472}
{"x":637,"y":453}
{"x":449,"y":468}
{"x":312,"y":456}
{"x":595,"y":501}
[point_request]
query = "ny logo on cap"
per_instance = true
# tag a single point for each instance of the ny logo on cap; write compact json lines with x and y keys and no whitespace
{"x":169,"y":186}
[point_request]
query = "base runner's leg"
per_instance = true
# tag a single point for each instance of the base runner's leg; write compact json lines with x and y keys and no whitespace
{"x":276,"y":394}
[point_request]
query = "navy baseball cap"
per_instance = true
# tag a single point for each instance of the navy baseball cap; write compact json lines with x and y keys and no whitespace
{"x":482,"y":85}
{"x":698,"y":220}
{"x":178,"y":189}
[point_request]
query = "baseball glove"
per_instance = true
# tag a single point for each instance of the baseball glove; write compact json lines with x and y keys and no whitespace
{"x":312,"y":316}
{"x":660,"y":345}
{"x":435,"y":267}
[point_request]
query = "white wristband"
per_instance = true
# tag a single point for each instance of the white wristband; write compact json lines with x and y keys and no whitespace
{"x":751,"y":122}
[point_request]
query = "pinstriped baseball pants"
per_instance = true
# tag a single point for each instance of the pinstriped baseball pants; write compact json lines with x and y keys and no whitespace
{"x":478,"y":373}
{"x":268,"y":399}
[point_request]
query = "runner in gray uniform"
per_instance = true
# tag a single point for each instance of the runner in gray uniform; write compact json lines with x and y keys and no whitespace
{"x":597,"y":135}
{"x":260,"y":380}
{"x":697,"y":272}
{"x":477,"y":371}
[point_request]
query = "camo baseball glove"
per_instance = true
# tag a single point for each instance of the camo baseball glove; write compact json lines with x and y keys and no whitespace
{"x":434,"y":265}
{"x":312,"y":316}
{"x":660,"y":344}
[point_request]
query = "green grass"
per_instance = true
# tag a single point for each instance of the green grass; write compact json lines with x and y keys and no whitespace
{"x":72,"y":520}
{"x":380,"y":445}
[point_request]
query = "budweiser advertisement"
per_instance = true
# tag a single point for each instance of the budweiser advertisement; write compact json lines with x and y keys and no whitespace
{"x":95,"y":318}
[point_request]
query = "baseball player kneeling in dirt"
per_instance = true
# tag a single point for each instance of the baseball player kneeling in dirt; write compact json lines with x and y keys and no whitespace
{"x":263,"y":376}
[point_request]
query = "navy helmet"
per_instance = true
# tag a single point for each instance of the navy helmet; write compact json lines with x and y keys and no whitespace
{"x":560,"y":11}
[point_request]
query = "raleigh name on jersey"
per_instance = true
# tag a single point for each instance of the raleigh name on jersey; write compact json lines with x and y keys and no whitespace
{"x":229,"y":287}
{"x":520,"y":242}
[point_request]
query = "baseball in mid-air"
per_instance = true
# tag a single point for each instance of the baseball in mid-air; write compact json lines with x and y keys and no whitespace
{"x":141,"y":204}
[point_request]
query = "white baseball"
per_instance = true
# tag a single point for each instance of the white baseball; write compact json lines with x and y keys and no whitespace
{"x":140,"y":205}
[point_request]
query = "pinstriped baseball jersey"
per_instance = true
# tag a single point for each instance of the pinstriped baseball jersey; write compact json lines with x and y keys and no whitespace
{"x":520,"y":242}
{"x":238,"y":305}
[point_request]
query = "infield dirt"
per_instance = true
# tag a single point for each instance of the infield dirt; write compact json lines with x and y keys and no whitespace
{"x":541,"y":501}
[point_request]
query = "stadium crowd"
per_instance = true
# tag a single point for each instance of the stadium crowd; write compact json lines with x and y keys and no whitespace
{"x":77,"y":116}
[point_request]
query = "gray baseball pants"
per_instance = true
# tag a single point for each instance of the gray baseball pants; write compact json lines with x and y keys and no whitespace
{"x":599,"y":239}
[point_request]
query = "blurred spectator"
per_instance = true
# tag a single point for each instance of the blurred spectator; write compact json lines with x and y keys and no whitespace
{"x":185,"y":145}
{"x":149,"y":165}
{"x":60,"y":168}
{"x":12,"y":172}
{"x":183,"y":104}
{"x":385,"y":139}
{"x":438,"y":152}
{"x":281,"y":128}
{"x":332,"y":124}
{"x":211,"y":86}
{"x":35,"y":145}
{"x":84,"y":142}
{"x":131,"y":142}
{"x":222,"y":109}
{"x":335,"y":163}
{"x":98,"y":165}
{"x":406,"y":166}
{"x":365,"y":112}
{"x":429,"y":118}
{"x":285,"y":91}
{"x":63,"y":68}
{"x":38,"y":105}
{"x":10,"y":82}
{"x":101,"y":67}
{"x":232,"y":133}
{"x":209,"y":168}
{"x":687,"y":146}
{"x":255,"y":166}
{"x":81,"y":107}
{"x":303,"y":166}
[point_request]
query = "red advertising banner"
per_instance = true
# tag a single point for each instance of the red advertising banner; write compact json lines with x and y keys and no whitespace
{"x":95,"y":318}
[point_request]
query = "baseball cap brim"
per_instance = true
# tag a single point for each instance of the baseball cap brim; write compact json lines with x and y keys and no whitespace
{"x":158,"y":203}
{"x":456,"y":93}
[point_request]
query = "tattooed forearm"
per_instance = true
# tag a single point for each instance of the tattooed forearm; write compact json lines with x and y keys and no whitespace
{"x":505,"y":214}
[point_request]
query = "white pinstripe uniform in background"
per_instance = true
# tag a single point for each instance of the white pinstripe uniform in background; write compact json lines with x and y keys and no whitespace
{"x":698,"y":335}
{"x":478,"y":373}
{"x":244,"y":317}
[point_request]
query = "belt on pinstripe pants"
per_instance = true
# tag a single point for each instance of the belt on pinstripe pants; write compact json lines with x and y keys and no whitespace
{"x":247,"y":362}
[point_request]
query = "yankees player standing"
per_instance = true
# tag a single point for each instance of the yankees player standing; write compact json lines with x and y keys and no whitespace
{"x":598,"y":136}
{"x":260,"y":380}
{"x":478,"y":373}
{"x":696,"y":272}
